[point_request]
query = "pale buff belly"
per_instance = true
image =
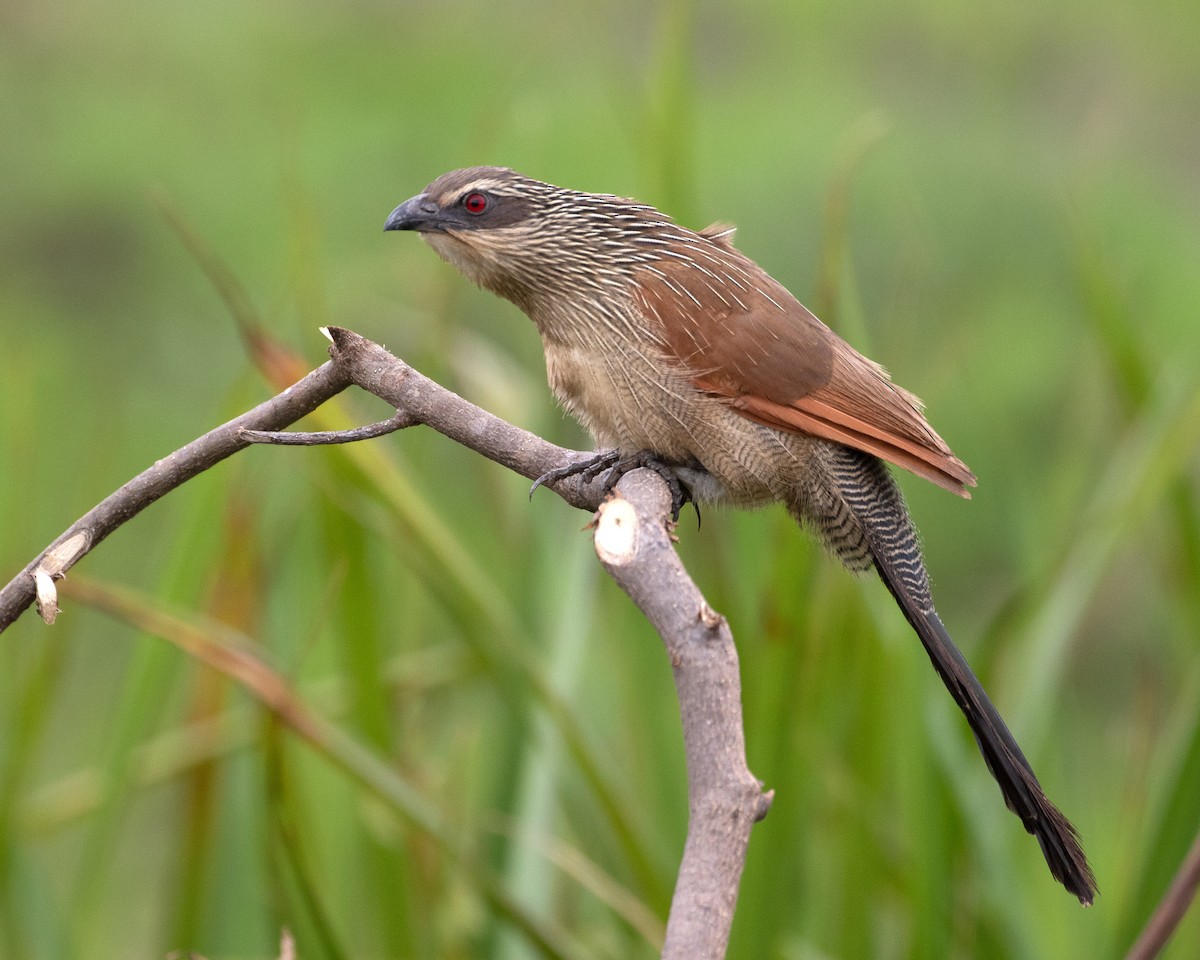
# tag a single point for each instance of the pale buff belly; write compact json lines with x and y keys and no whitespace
{"x":633,"y":402}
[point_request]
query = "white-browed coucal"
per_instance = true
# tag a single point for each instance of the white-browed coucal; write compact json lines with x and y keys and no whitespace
{"x":666,"y":342}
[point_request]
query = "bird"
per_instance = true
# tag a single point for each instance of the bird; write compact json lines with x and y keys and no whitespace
{"x":674,"y":349}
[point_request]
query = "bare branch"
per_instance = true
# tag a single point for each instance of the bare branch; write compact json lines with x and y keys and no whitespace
{"x":416,"y":398}
{"x":724,"y":799}
{"x":168,"y":473}
{"x":633,"y":541}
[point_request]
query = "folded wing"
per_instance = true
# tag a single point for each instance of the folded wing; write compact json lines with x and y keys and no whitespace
{"x":746,"y":339}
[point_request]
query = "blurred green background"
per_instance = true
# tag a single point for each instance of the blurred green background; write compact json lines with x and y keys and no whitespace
{"x":997,"y":200}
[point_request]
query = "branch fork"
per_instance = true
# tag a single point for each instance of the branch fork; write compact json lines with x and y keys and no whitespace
{"x":633,"y":537}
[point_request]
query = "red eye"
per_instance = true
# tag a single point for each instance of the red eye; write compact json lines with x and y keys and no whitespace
{"x":475,"y":203}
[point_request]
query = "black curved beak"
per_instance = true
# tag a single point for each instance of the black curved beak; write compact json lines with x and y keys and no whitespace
{"x":417,"y":213}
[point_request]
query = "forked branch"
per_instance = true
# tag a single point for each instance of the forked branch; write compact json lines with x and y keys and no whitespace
{"x":632,"y":538}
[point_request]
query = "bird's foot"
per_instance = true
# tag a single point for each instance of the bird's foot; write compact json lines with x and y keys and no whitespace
{"x":648,"y":459}
{"x":617,"y":467}
{"x":589,"y":469}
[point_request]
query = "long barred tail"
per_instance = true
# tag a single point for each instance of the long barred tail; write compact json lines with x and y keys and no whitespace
{"x":868,"y":525}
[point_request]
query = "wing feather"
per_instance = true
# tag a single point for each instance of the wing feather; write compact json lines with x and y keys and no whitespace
{"x":745,"y":338}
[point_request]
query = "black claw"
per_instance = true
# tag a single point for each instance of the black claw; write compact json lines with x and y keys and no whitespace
{"x":649,"y":460}
{"x":617,"y":467}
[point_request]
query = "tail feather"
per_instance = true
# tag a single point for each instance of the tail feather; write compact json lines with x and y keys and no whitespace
{"x":1022,"y":792}
{"x":871,"y":496}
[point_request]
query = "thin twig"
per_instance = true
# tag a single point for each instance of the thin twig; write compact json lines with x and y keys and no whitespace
{"x":316,"y":438}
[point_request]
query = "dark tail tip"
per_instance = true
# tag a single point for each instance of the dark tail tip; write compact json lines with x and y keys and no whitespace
{"x":1023,"y":794}
{"x":1059,"y":840}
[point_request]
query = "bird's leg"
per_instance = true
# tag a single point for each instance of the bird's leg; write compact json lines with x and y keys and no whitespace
{"x":618,"y":466}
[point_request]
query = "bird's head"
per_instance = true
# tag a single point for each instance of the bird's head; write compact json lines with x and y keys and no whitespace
{"x":523,"y":239}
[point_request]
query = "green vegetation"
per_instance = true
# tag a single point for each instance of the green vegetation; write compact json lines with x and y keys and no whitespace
{"x":999,"y":201}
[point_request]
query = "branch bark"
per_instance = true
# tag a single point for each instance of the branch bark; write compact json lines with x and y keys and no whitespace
{"x":633,"y":541}
{"x":724,"y":799}
{"x":86,"y":533}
